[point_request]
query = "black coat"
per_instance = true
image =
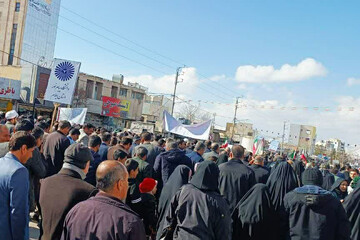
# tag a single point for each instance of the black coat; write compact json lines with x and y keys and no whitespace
{"x":299,"y":169}
{"x":235,"y":180}
{"x":315,"y":214}
{"x":103,"y":217}
{"x":148,"y":212}
{"x":352,"y":209}
{"x":281,"y":181}
{"x":178,"y":178}
{"x":328,"y":180}
{"x":261,"y":173}
{"x":54,"y":149}
{"x":58,"y":194}
{"x":94,"y":163}
{"x":166,"y":163}
{"x":223,"y":158}
{"x":254,"y":217}
{"x":197,"y":210}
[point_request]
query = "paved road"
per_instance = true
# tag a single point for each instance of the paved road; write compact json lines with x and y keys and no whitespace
{"x":34,"y":231}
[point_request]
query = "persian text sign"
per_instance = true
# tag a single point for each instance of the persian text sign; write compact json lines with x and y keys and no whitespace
{"x":114,"y":107}
{"x":62,"y":81}
{"x":10,"y":88}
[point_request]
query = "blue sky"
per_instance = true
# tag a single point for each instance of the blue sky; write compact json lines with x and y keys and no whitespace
{"x":216,"y":37}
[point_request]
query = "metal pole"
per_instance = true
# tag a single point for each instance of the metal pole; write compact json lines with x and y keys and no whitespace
{"x":233,"y":130}
{"x":283,"y":139}
{"x":174,"y":96}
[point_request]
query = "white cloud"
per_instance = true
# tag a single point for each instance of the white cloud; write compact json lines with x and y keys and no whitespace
{"x":188,"y":81}
{"x":306,"y":69}
{"x":353,"y":81}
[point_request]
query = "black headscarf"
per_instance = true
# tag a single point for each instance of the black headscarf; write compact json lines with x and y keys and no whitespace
{"x":280,"y":182}
{"x":178,"y":178}
{"x":328,"y":180}
{"x":206,"y":177}
{"x":254,"y":216}
{"x":352,"y":209}
{"x":336,"y":190}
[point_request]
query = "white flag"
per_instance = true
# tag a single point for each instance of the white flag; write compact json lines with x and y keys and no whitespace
{"x":62,"y":81}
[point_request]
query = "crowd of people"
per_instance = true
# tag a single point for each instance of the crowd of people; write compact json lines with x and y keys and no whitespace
{"x":83,"y":182}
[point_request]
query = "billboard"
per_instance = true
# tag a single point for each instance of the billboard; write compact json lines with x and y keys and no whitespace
{"x":114,"y":107}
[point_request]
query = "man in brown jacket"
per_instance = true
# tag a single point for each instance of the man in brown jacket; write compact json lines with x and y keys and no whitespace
{"x":60,"y":192}
{"x":124,"y":144}
{"x":105,"y":216}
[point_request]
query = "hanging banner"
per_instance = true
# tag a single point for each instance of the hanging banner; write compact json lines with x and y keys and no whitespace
{"x":199,"y":131}
{"x":9,"y":88}
{"x":62,"y":81}
{"x":73,"y":115}
{"x":114,"y":107}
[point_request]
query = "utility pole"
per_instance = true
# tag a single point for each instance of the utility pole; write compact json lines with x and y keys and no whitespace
{"x":234,"y":122}
{"x":176,"y":82}
{"x":283,"y":138}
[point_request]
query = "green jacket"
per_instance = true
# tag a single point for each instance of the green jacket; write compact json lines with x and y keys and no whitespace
{"x":145,"y":170}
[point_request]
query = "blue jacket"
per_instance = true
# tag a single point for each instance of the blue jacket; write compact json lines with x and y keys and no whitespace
{"x":195,"y":157}
{"x":103,"y":151}
{"x":94,"y":163}
{"x":14,"y":199}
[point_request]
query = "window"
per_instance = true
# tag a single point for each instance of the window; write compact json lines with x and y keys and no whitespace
{"x":137,"y":95}
{"x":123,"y":92}
{"x":98,"y":91}
{"x":114,"y":91}
{"x":17,"y":7}
{"x":12,"y":45}
{"x":89,"y":88}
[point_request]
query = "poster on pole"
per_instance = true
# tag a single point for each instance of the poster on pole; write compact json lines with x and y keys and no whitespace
{"x":274,"y":145}
{"x":73,"y":115}
{"x":62,"y":81}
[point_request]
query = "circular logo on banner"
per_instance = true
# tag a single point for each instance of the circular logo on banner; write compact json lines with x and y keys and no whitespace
{"x":64,"y":71}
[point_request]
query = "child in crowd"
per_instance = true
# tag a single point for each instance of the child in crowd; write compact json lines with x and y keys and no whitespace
{"x":148,"y":206}
{"x":133,"y":198}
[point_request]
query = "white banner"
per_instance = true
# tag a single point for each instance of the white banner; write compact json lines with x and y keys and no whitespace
{"x":10,"y":88}
{"x":199,"y":131}
{"x":62,"y":81}
{"x":73,"y":115}
{"x":139,"y":127}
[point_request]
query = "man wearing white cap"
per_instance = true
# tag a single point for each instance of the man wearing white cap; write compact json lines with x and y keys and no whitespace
{"x":11,"y":119}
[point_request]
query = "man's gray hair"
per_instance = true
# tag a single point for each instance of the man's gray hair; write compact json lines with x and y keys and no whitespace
{"x":259,"y":159}
{"x":171,"y":143}
{"x":107,"y":182}
{"x":199,"y":146}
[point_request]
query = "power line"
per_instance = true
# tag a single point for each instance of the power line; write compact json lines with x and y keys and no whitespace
{"x":137,"y":44}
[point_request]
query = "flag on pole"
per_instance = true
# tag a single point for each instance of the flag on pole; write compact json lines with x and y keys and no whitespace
{"x":258,"y":146}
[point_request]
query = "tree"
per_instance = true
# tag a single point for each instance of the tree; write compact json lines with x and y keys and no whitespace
{"x":193,"y":113}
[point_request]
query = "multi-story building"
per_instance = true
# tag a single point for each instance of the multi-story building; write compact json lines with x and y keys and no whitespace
{"x":302,"y":137}
{"x":27,"y":41}
{"x":154,"y":106}
{"x":332,"y":145}
{"x":90,"y":91}
{"x":242,"y":130}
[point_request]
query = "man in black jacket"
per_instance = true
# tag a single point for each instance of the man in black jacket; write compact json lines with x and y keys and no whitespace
{"x":235,"y":177}
{"x":313,"y":212}
{"x":261,"y":173}
{"x":166,"y":162}
{"x":55,"y":146}
{"x":60,"y":192}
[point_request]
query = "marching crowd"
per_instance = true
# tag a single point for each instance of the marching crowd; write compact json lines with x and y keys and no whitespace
{"x":82,"y":182}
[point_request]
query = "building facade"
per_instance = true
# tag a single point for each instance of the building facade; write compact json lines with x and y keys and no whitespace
{"x":89,"y":94}
{"x":242,"y":130}
{"x":27,"y":40}
{"x":154,"y":107}
{"x":302,"y":137}
{"x":332,"y":145}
